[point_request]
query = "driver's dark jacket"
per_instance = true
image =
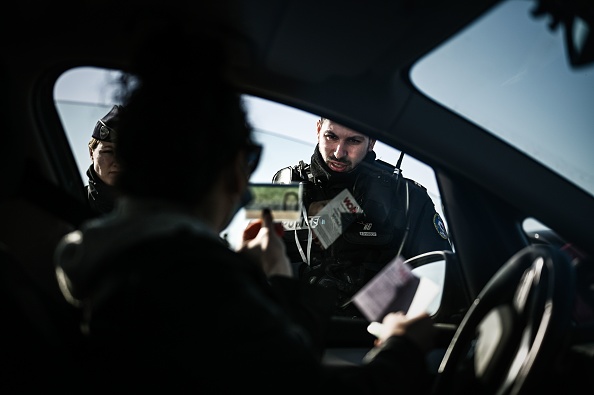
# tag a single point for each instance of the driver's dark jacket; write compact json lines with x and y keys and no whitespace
{"x":376,"y":237}
{"x":100,"y":196}
{"x":168,"y":306}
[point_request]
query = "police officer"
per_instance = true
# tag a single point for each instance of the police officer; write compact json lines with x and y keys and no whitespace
{"x":105,"y":167}
{"x":392,"y":215}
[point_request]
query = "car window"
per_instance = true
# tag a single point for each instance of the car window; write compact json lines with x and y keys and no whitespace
{"x":84,"y":95}
{"x":505,"y":68}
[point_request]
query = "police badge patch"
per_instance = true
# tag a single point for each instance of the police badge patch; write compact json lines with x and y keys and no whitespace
{"x":104,"y":132}
{"x":440,"y":226}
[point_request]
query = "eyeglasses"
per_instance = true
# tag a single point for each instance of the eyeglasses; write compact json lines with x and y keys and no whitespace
{"x":253,"y":154}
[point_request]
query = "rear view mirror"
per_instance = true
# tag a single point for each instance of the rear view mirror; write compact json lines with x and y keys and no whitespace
{"x":577,"y":21}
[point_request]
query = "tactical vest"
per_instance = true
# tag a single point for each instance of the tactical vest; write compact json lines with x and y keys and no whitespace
{"x":366,"y":245}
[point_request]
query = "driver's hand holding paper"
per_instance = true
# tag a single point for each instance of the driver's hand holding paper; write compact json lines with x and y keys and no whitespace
{"x":419,"y":329}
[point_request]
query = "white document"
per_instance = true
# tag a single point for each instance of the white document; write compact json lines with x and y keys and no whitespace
{"x":395,"y":288}
{"x":335,"y":217}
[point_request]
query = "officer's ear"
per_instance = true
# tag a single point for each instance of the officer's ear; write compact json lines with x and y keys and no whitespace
{"x":371,"y":144}
{"x":319,"y":126}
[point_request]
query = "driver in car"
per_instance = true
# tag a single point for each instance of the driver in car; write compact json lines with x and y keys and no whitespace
{"x":358,"y":214}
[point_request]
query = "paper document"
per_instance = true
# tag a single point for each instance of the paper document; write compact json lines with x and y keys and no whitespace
{"x":335,"y":217}
{"x":395,"y":288}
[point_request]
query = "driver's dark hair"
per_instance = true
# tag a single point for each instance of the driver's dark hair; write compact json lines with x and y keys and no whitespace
{"x":182,"y":122}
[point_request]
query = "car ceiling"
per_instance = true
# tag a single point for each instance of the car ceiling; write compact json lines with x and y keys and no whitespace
{"x":349,"y":39}
{"x":318,"y":46}
{"x":292,"y":47}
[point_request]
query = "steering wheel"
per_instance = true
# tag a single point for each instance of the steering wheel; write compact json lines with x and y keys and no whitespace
{"x":513,"y":327}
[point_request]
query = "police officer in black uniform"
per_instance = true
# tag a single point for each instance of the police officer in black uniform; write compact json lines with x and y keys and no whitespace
{"x":398,"y":216}
{"x":100,"y":190}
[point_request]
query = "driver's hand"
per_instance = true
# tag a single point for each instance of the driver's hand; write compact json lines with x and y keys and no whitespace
{"x":262,"y":242}
{"x":419,"y":329}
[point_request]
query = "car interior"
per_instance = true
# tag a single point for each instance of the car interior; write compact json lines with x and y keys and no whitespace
{"x":515,"y":307}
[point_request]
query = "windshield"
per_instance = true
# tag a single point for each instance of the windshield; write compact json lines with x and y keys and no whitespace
{"x":514,"y":79}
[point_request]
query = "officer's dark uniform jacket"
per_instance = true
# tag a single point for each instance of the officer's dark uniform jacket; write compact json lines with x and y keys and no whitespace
{"x":385,"y":229}
{"x":100,"y":195}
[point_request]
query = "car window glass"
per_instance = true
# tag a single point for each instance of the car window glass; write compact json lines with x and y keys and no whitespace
{"x":84,"y":95}
{"x":504,"y":68}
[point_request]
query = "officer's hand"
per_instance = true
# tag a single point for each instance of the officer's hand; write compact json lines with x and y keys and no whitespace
{"x":262,"y":242}
{"x":315,"y":207}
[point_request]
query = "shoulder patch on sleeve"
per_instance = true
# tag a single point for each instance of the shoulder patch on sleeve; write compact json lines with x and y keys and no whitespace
{"x":440,"y":226}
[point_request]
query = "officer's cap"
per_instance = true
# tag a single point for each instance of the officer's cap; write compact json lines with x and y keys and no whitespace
{"x":106,"y":127}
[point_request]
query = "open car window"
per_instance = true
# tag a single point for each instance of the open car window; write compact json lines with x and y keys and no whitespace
{"x":84,"y":95}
